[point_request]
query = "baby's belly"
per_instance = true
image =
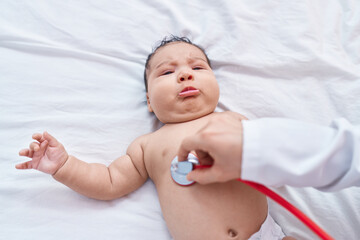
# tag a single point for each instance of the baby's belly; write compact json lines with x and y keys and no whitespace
{"x":218,"y":211}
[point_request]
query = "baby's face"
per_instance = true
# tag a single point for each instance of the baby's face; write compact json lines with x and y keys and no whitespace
{"x":181,"y":84}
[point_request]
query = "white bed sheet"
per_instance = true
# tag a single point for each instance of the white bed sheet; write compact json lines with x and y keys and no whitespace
{"x":75,"y":68}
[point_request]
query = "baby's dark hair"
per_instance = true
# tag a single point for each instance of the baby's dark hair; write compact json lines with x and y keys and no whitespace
{"x":164,"y":42}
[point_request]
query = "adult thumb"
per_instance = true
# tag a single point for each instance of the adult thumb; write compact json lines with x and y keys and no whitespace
{"x":202,"y":176}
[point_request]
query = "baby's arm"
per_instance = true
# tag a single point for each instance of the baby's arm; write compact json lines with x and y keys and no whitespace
{"x":123,"y":176}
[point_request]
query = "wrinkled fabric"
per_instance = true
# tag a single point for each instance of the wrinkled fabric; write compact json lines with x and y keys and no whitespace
{"x":75,"y":69}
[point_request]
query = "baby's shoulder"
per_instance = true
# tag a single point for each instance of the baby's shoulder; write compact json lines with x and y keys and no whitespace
{"x":137,"y":147}
{"x":140,"y":141}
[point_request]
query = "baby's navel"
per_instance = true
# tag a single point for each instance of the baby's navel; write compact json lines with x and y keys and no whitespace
{"x":232,"y":233}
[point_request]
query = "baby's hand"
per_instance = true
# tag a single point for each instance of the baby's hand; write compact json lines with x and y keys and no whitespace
{"x":47,"y":154}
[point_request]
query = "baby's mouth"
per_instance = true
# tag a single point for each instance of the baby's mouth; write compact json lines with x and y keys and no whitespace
{"x":189,"y":92}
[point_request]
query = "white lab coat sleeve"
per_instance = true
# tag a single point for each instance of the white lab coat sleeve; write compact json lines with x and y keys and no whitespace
{"x":279,"y":152}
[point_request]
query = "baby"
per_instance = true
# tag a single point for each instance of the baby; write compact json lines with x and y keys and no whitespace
{"x":183,"y":92}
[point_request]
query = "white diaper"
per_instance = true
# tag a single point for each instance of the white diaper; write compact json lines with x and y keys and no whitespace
{"x":269,"y":230}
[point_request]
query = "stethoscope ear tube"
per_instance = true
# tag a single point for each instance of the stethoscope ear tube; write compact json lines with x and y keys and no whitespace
{"x":179,"y":170}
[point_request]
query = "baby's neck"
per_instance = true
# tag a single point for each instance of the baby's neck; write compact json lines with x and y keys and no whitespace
{"x":193,"y":120}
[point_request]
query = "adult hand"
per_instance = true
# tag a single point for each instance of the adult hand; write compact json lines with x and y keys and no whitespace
{"x":219,"y":144}
{"x":47,"y":154}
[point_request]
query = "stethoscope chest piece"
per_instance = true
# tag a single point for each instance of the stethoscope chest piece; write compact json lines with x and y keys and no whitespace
{"x":179,"y":170}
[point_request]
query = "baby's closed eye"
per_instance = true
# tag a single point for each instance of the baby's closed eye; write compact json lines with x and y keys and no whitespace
{"x":197,"y":68}
{"x":166,"y":73}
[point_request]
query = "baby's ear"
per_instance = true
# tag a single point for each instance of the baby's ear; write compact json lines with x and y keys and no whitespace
{"x":148,"y":103}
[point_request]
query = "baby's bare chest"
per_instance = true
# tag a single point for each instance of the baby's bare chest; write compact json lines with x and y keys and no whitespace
{"x":163,"y":145}
{"x":229,"y":207}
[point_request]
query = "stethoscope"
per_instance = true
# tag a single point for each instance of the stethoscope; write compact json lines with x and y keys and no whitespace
{"x":179,"y":170}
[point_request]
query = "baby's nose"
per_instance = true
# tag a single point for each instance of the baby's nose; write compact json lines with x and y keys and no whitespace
{"x":185,"y":77}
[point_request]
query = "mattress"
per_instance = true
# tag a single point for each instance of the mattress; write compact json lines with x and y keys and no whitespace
{"x":75,"y":69}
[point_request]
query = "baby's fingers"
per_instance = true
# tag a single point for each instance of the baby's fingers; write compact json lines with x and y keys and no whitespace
{"x":41,"y":151}
{"x":24,"y":152}
{"x":34,"y":146}
{"x":24,"y":165}
{"x":52,"y":140}
{"x":38,"y":137}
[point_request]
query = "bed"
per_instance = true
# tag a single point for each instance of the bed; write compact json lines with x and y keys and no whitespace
{"x":75,"y":69}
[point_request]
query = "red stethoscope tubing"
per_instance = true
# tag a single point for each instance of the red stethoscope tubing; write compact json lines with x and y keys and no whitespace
{"x":291,"y":208}
{"x":288,"y":206}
